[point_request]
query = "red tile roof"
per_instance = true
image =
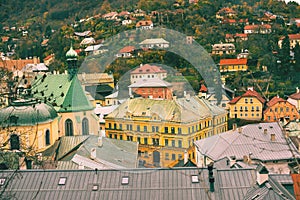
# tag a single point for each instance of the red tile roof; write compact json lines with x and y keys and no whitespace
{"x":248,"y":93}
{"x":13,"y":65}
{"x":254,"y":27}
{"x":295,"y":96}
{"x":145,"y":69}
{"x":203,"y":88}
{"x":127,"y":49}
{"x":144,"y":23}
{"x":274,"y":101}
{"x":242,"y":61}
{"x":241,"y":35}
{"x":294,"y":36}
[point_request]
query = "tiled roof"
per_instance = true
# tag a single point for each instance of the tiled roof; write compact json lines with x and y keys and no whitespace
{"x":254,"y":27}
{"x":296,"y":180}
{"x":294,"y":36}
{"x":146,"y":69}
{"x":146,"y":184}
{"x":203,"y":88}
{"x":153,"y":82}
{"x":242,"y":61}
{"x":144,"y":23}
{"x":127,"y":49}
{"x":12,"y":65}
{"x":295,"y":96}
{"x":275,"y":100}
{"x":154,"y":41}
{"x":248,"y":93}
{"x":249,"y":138}
{"x":241,"y":35}
{"x":179,"y":110}
{"x":68,"y":95}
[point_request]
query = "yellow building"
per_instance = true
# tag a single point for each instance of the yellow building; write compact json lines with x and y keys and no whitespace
{"x":165,"y":129}
{"x":233,"y":65}
{"x":28,"y":126}
{"x":248,"y":106}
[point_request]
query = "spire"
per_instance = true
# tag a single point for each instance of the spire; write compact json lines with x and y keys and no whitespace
{"x":71,"y":57}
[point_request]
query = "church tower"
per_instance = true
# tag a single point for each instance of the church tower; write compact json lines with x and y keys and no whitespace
{"x":72,"y":56}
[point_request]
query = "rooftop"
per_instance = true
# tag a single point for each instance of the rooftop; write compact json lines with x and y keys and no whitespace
{"x":241,"y":61}
{"x":147,"y":69}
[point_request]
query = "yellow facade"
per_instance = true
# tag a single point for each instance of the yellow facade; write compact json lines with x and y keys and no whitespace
{"x":248,"y":108}
{"x":162,"y":143}
{"x":233,"y":68}
{"x":32,"y":139}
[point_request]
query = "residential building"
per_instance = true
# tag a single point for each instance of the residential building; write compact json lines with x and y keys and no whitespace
{"x":126,"y":52}
{"x":17,"y":65}
{"x":49,"y":59}
{"x":151,"y":88}
{"x":110,"y":16}
{"x":147,"y":72}
{"x":65,"y":93}
{"x":167,"y":184}
{"x":248,"y":106}
{"x":220,"y":49}
{"x":279,"y":109}
{"x":165,"y":129}
{"x":28,"y":125}
{"x":233,"y":65}
{"x":238,"y":37}
{"x":261,"y":29}
{"x":92,"y":152}
{"x":153,"y":43}
{"x":294,"y":39}
{"x":144,"y":25}
{"x":252,"y":144}
{"x":295,"y":99}
{"x":225,"y":13}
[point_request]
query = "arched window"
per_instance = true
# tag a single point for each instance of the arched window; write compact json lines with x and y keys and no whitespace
{"x":14,"y":142}
{"x":85,"y":126}
{"x":69,"y":127}
{"x":47,"y":137}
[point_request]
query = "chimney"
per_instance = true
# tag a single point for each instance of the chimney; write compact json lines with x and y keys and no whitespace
{"x":186,"y":157}
{"x":93,"y":153}
{"x":262,"y":174}
{"x":35,"y":60}
{"x":211,"y":177}
{"x":100,"y":141}
{"x":273,"y":137}
{"x":245,"y":159}
{"x":232,"y":160}
{"x":240,"y":129}
{"x":265,"y":131}
{"x":234,"y":126}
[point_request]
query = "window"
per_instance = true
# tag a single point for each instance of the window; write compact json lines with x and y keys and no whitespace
{"x":179,"y":143}
{"x":246,"y":100}
{"x":14,"y":142}
{"x":167,"y":156}
{"x":85,"y":126}
{"x":121,"y":137}
{"x":172,"y":130}
{"x":120,"y":126}
{"x":109,"y":125}
{"x":173,"y":156}
{"x":47,"y":137}
{"x":153,"y":129}
{"x":145,"y":129}
{"x":195,"y":179}
{"x":115,"y":126}
{"x":179,"y":156}
{"x":173,"y":143}
{"x":287,"y":109}
{"x":145,"y":140}
{"x":155,"y":141}
{"x":69,"y":127}
{"x":166,"y":142}
{"x":166,"y":129}
{"x":257,"y":108}
{"x":139,"y":140}
{"x":62,"y":181}
{"x":179,"y":130}
{"x":138,"y":128}
{"x":125,"y":180}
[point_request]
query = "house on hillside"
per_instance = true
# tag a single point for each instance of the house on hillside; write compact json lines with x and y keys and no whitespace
{"x":154,"y":43}
{"x":258,"y":28}
{"x":144,"y":25}
{"x":147,"y":72}
{"x":294,"y":39}
{"x":233,"y":65}
{"x":223,"y":48}
{"x":295,"y":99}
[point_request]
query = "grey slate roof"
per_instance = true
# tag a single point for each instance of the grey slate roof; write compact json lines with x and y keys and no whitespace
{"x":145,"y":184}
{"x":251,"y":139}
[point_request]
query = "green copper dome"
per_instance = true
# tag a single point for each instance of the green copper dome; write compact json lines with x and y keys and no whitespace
{"x":71,"y":54}
{"x":26,"y":113}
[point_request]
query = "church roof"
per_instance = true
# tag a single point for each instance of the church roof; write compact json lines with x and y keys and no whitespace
{"x":65,"y":95}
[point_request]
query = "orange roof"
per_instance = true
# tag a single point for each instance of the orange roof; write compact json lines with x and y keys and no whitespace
{"x":294,"y":36}
{"x":296,"y":181}
{"x":145,"y":69}
{"x":5,"y":39}
{"x":254,"y":27}
{"x":295,"y":96}
{"x":12,"y":65}
{"x":144,"y":23}
{"x":241,"y":35}
{"x":274,"y":101}
{"x":127,"y":49}
{"x":203,"y":88}
{"x":249,"y":93}
{"x":242,"y":61}
{"x":49,"y":57}
{"x":228,"y":35}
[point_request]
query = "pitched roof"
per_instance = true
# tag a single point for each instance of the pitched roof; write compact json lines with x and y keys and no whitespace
{"x":153,"y":82}
{"x":12,"y":65}
{"x":127,"y":49}
{"x":249,"y":138}
{"x":295,"y":96}
{"x":143,"y":184}
{"x":179,"y":110}
{"x":146,"y":69}
{"x":144,"y":23}
{"x":241,"y":61}
{"x":294,"y":36}
{"x":203,"y":88}
{"x":67,"y":95}
{"x":256,"y":26}
{"x":154,"y":41}
{"x":275,"y":100}
{"x":248,"y":93}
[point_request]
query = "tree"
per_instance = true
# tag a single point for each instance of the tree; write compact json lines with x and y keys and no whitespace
{"x":284,"y":55}
{"x":297,"y":57}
